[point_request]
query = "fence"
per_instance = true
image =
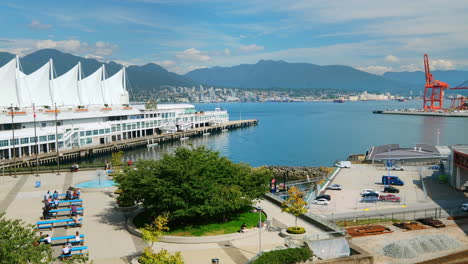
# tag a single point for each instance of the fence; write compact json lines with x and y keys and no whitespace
{"x":400,"y":216}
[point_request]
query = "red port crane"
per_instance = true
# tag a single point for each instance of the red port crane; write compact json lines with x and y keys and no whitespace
{"x":434,"y":91}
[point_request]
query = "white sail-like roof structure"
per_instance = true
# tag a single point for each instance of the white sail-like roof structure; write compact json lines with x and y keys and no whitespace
{"x":40,"y":88}
{"x":91,"y":89}
{"x":65,"y":88}
{"x":9,"y":94}
{"x":113,"y":89}
{"x":35,"y":87}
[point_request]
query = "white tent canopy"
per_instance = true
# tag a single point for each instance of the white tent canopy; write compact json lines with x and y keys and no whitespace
{"x":114,"y":90}
{"x":35,"y":87}
{"x":41,"y":89}
{"x":8,"y":90}
{"x":91,"y":89}
{"x":65,"y":88}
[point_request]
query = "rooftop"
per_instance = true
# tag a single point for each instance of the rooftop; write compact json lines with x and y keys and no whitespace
{"x":395,"y":152}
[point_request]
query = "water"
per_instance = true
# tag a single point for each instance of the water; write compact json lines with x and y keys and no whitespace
{"x":315,"y":133}
{"x":96,"y":184}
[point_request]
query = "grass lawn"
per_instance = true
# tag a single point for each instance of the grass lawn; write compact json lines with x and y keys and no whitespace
{"x":361,"y":222}
{"x":209,"y":229}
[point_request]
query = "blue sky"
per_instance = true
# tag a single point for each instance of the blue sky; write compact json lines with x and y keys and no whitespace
{"x":182,"y":35}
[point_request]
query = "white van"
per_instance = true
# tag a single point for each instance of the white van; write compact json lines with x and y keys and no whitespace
{"x":344,"y":164}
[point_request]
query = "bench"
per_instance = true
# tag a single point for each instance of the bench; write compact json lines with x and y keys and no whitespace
{"x":67,"y":239}
{"x":80,"y":249}
{"x":70,"y":202}
{"x":54,"y":213}
{"x":64,"y":222}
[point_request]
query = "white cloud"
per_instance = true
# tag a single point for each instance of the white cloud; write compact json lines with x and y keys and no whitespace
{"x":251,"y":48}
{"x":391,"y":58}
{"x":411,"y":67}
{"x":36,"y":25}
{"x":192,"y":55}
{"x":376,"y":69}
{"x":191,"y":68}
{"x":227,"y":52}
{"x":166,"y":63}
{"x":21,"y":47}
{"x":441,"y":64}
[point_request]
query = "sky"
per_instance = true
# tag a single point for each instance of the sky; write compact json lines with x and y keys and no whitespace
{"x":182,"y":35}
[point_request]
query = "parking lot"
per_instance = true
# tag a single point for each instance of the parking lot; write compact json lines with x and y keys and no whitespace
{"x":362,"y":176}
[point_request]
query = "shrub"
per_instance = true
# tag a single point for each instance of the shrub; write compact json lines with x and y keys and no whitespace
{"x":284,"y":256}
{"x":295,"y":230}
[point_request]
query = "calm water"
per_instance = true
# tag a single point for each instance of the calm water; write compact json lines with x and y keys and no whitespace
{"x":316,"y":133}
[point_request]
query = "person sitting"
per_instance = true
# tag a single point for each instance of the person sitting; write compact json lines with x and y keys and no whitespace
{"x":55,"y":195}
{"x":76,"y":220}
{"x":66,"y":251}
{"x":68,"y":195}
{"x":73,"y":210}
{"x":54,"y":204}
{"x":77,"y":237}
{"x":41,"y":236}
{"x":78,"y":193}
{"x":46,"y":213}
{"x":243,"y":228}
{"x":48,"y":240}
{"x":74,"y":195}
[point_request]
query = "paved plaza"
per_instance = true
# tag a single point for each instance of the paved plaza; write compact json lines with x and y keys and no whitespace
{"x":105,"y":230}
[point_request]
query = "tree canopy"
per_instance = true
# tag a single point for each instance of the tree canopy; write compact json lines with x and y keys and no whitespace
{"x":194,"y":185}
{"x":18,"y":243}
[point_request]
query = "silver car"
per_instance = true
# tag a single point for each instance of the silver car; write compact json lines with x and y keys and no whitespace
{"x":336,"y":187}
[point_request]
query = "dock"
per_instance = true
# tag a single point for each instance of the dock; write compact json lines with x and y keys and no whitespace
{"x":421,"y":113}
{"x":67,"y":156}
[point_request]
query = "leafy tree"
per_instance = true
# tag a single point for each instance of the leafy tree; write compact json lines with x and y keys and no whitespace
{"x":295,"y":204}
{"x":116,"y":159}
{"x":18,"y":243}
{"x":154,"y":231}
{"x":194,"y":185}
{"x":162,"y":257}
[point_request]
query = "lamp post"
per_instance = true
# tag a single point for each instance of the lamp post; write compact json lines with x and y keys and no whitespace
{"x":259,"y":209}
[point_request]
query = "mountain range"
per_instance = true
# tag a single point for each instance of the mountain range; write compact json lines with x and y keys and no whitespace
{"x":263,"y":74}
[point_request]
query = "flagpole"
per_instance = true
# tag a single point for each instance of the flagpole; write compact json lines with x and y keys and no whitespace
{"x":13,"y":135}
{"x":56,"y":141}
{"x":36,"y":140}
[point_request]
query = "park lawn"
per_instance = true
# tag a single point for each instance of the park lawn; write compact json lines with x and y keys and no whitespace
{"x":210,"y":229}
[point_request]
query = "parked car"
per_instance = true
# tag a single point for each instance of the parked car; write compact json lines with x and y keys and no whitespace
{"x":336,"y":187}
{"x":369,"y":199}
{"x":465,"y":207}
{"x":321,"y":201}
{"x":369,"y":191}
{"x":397,"y":168}
{"x":434,"y":167}
{"x":389,"y":198}
{"x":324,"y":196}
{"x":391,"y":189}
{"x":370,"y":194}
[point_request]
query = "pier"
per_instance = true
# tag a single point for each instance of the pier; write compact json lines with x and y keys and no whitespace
{"x":67,"y":156}
{"x":421,"y":113}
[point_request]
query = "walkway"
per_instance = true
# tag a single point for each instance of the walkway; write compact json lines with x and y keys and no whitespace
{"x":105,"y":229}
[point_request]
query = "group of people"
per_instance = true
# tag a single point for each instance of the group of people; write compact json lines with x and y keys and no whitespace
{"x":69,"y":195}
{"x":74,"y":167}
{"x":51,"y":201}
{"x":67,"y":247}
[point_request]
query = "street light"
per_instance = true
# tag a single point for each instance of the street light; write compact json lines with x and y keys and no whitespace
{"x":259,"y":209}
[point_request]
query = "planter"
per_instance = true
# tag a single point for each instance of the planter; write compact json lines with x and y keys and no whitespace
{"x":285,"y":234}
{"x":125,"y":208}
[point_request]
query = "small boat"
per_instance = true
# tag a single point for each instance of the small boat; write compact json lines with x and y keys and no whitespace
{"x":224,"y":130}
{"x":152,"y":145}
{"x":183,"y":138}
{"x":402,"y":100}
{"x":339,"y":101}
{"x":206,"y":134}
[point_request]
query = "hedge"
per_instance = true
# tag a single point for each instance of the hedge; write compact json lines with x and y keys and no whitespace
{"x":284,"y":256}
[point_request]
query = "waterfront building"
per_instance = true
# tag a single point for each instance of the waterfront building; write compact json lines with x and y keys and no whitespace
{"x":458,"y":167}
{"x":40,"y":112}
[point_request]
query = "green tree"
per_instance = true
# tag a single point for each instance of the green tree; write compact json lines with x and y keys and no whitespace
{"x":194,"y":185}
{"x":295,"y":204}
{"x":116,"y":160}
{"x":154,"y":231}
{"x":18,"y":243}
{"x":162,"y":257}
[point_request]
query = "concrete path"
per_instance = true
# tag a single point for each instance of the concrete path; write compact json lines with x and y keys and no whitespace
{"x":105,"y":229}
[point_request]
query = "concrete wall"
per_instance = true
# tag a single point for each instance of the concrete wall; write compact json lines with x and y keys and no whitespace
{"x":359,"y":256}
